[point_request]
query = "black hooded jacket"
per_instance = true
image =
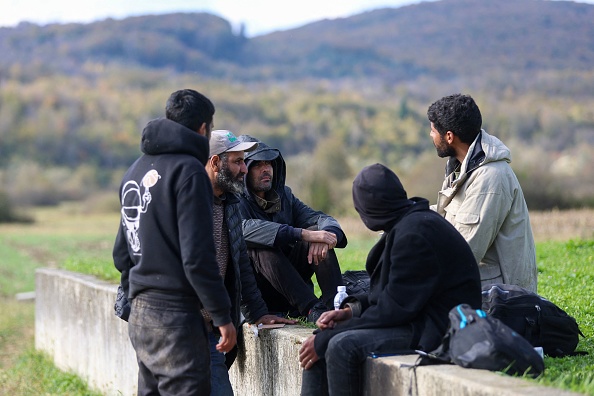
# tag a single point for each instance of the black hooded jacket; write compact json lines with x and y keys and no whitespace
{"x":420,"y":268}
{"x":281,"y":227}
{"x":165,"y":240}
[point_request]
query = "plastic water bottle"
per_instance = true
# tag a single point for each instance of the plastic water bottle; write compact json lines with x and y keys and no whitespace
{"x":540,"y":352}
{"x":341,"y":295}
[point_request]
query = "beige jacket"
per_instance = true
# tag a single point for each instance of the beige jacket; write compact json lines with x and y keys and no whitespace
{"x":486,"y":204}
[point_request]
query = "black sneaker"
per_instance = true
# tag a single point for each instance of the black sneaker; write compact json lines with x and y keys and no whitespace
{"x":316,"y":311}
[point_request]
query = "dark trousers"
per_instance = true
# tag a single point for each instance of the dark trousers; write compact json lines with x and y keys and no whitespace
{"x":171,"y":345}
{"x":340,"y":371}
{"x":284,"y":279}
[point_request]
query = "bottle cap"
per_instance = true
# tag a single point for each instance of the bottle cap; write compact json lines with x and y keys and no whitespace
{"x":341,"y":288}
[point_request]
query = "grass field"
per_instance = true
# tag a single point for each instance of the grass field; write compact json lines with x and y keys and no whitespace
{"x":69,"y":237}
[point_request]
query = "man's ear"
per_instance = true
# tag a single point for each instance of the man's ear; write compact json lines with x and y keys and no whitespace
{"x":449,"y":137}
{"x":215,"y":162}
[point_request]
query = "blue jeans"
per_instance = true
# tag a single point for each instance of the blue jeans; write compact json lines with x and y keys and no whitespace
{"x":339,"y":371}
{"x":219,"y":375}
{"x":171,"y":346}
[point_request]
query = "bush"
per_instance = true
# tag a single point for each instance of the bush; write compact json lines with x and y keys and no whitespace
{"x":8,"y":213}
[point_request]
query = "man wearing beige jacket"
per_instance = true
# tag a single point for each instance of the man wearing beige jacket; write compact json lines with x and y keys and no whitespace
{"x":481,"y":195}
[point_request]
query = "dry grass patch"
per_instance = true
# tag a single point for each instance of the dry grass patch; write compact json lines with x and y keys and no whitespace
{"x":553,"y":225}
{"x":563,"y":225}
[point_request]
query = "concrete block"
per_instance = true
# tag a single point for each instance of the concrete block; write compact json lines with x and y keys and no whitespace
{"x":397,"y":375}
{"x":269,"y":363}
{"x":75,"y":325}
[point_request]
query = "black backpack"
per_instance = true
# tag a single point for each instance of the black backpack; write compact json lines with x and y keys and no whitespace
{"x":476,"y":340}
{"x":537,"y":319}
{"x":356,"y":282}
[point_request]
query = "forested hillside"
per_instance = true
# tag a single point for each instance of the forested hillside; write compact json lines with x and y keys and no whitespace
{"x":444,"y":39}
{"x":334,"y":95}
{"x":183,"y":42}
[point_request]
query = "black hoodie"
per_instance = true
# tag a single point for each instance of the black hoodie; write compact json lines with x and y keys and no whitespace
{"x":165,"y":241}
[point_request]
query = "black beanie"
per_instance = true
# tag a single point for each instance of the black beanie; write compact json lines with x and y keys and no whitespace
{"x":379,"y":197}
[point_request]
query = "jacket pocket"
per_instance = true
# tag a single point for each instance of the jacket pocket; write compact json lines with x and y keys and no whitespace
{"x":467,"y":218}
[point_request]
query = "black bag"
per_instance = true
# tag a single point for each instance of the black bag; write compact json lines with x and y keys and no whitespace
{"x":356,"y":282}
{"x":537,"y":319}
{"x":475,"y":340}
{"x":122,"y":306}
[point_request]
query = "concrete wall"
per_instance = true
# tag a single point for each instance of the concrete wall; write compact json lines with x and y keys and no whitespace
{"x":396,"y":376}
{"x":270,"y":364}
{"x":75,"y":324}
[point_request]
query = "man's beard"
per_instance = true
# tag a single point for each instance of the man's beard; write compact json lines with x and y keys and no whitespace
{"x":228,"y":182}
{"x":444,"y":149}
{"x":258,"y":186}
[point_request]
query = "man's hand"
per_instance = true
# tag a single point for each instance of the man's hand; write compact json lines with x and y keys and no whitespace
{"x":317,"y":253}
{"x":325,"y":237}
{"x":329,"y":319}
{"x":319,"y":244}
{"x":307,"y":353}
{"x":272,"y":319}
{"x":228,"y":338}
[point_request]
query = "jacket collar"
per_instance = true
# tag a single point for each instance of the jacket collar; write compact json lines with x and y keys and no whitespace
{"x":474,"y":158}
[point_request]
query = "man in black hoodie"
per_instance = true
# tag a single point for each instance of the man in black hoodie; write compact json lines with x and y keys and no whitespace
{"x":420,"y":269}
{"x":165,"y":252}
{"x":287,"y":240}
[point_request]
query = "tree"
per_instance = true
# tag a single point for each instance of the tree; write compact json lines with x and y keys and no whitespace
{"x":8,"y":213}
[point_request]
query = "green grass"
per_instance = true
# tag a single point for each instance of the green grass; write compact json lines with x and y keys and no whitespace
{"x":100,"y":268}
{"x":16,"y":270}
{"x":42,"y":378}
{"x":566,"y":276}
{"x":57,"y":239}
{"x":24,"y":371}
{"x":16,"y":330}
{"x":354,"y":255}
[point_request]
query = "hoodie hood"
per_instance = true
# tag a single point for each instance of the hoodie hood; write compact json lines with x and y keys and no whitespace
{"x":265,"y":153}
{"x":493,"y":148}
{"x":484,"y":149}
{"x":163,"y":136}
{"x":379,"y":197}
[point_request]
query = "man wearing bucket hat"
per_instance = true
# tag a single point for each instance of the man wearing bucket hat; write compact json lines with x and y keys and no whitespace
{"x":288,"y":242}
{"x":226,"y":170}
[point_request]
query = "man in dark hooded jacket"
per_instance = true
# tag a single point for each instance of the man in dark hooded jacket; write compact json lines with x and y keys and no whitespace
{"x":287,"y":240}
{"x":420,"y":269}
{"x":165,"y":252}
